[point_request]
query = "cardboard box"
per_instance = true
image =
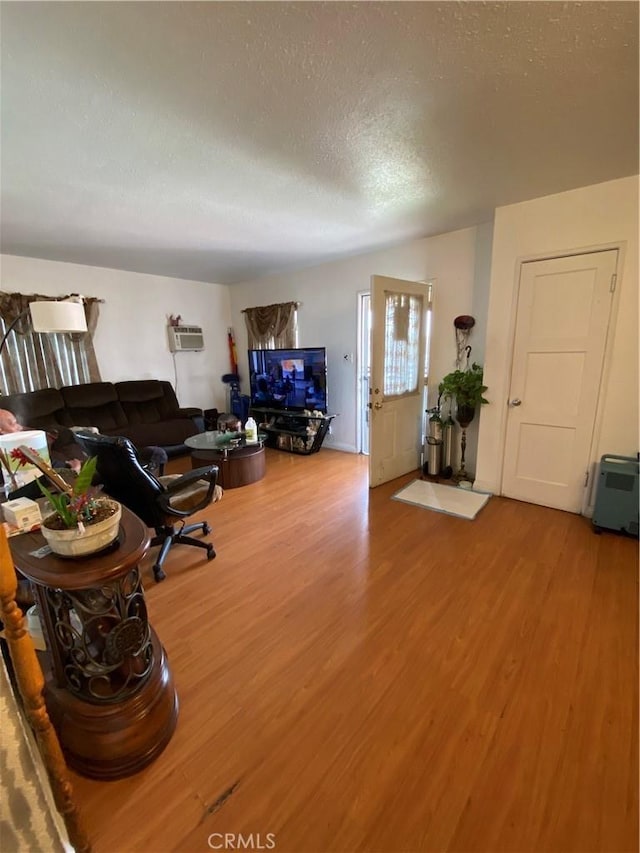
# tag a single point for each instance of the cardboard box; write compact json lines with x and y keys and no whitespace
{"x":22,"y":514}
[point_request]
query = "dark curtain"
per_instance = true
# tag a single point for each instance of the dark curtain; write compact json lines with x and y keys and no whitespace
{"x":271,"y":326}
{"x":30,"y":361}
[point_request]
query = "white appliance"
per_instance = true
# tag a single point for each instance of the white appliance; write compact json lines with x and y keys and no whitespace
{"x":185,"y":338}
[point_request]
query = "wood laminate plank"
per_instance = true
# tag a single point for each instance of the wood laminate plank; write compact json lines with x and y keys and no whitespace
{"x":360,"y":674}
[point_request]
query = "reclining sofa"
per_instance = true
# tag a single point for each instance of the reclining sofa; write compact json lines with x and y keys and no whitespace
{"x":145,"y":411}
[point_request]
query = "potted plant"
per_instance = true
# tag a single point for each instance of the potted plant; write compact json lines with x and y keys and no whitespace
{"x":467,"y":388}
{"x":83,"y":521}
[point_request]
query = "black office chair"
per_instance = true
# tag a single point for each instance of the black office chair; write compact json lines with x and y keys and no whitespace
{"x":156,"y":501}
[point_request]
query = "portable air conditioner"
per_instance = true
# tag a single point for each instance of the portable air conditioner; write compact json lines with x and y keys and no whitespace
{"x":616,"y":506}
{"x":185,"y":338}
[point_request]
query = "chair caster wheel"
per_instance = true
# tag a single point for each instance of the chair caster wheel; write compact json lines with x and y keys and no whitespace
{"x":206,"y":529}
{"x":210,"y":552}
{"x":158,"y":574}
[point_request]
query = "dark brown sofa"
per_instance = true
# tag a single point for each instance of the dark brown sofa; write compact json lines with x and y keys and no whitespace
{"x":145,"y":411}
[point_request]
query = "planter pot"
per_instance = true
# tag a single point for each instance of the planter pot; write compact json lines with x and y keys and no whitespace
{"x":95,"y":537}
{"x":465,"y":414}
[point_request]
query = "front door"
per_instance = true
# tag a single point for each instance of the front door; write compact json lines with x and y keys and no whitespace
{"x":399,"y":310}
{"x":564,"y":305}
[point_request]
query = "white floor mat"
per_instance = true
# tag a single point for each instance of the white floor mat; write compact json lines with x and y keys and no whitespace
{"x":448,"y":499}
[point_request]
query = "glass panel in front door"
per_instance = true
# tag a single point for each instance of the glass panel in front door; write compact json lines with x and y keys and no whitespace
{"x":402,"y":359}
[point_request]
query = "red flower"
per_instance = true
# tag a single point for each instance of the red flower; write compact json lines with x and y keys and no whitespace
{"x":16,"y":453}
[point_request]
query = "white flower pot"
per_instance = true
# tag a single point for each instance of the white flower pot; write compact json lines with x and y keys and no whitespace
{"x":95,"y":537}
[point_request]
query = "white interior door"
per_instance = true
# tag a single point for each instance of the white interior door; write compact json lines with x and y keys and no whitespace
{"x":564,"y":306}
{"x":397,"y":377}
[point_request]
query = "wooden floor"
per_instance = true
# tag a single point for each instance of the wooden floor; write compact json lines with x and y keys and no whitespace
{"x":359,"y":674}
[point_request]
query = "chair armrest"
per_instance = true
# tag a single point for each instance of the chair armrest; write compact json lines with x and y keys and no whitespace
{"x":208,"y":473}
{"x":205,"y":473}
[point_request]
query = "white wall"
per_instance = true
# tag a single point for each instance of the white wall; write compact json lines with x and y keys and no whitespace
{"x":475,"y":271}
{"x":457,"y":261}
{"x":597,"y":216}
{"x":131,"y":338}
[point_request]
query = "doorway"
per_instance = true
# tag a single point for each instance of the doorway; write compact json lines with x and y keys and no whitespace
{"x":363,"y":365}
{"x":397,"y":383}
{"x":562,"y":320}
{"x":363,"y":368}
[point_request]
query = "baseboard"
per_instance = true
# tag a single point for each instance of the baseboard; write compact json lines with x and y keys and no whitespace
{"x":338,"y":445}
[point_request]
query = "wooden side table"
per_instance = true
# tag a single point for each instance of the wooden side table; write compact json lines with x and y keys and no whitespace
{"x":109,"y":690}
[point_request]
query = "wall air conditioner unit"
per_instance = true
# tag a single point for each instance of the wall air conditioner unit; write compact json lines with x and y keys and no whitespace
{"x":185,"y":338}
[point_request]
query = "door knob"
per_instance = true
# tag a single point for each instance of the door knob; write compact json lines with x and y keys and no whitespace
{"x":377,"y":405}
{"x":515,"y":402}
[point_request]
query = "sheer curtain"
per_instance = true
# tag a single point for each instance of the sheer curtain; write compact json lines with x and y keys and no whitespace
{"x":31,"y":361}
{"x":402,"y":365}
{"x":272,"y":326}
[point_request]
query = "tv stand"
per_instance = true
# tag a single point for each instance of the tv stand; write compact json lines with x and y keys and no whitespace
{"x":292,"y":431}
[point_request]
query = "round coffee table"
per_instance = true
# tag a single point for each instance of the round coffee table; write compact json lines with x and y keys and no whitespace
{"x":240,"y":463}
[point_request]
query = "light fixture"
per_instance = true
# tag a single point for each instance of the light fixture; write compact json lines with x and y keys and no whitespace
{"x":50,"y":316}
{"x":58,"y":317}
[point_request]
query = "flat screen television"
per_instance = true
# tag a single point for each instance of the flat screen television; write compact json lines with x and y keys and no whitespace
{"x":294,"y":379}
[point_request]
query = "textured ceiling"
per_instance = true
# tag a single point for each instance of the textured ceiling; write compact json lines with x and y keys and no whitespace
{"x":222,"y":141}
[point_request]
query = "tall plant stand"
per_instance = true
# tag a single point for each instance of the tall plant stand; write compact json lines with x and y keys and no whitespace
{"x":109,"y":690}
{"x":464,"y":416}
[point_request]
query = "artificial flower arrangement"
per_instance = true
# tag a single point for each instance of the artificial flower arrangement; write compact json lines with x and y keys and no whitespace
{"x":5,"y":464}
{"x":14,"y":475}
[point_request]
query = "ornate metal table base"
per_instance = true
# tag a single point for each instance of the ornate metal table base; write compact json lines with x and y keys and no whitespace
{"x":109,"y":690}
{"x":118,"y":739}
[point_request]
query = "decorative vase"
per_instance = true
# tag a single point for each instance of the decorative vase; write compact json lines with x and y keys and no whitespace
{"x":79,"y":543}
{"x":9,"y":481}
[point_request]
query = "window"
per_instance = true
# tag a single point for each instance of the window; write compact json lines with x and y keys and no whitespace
{"x":30,"y":361}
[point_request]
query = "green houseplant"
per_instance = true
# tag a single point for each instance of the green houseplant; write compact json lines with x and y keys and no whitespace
{"x":467,"y":388}
{"x":76,"y":506}
{"x":83,"y":520}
